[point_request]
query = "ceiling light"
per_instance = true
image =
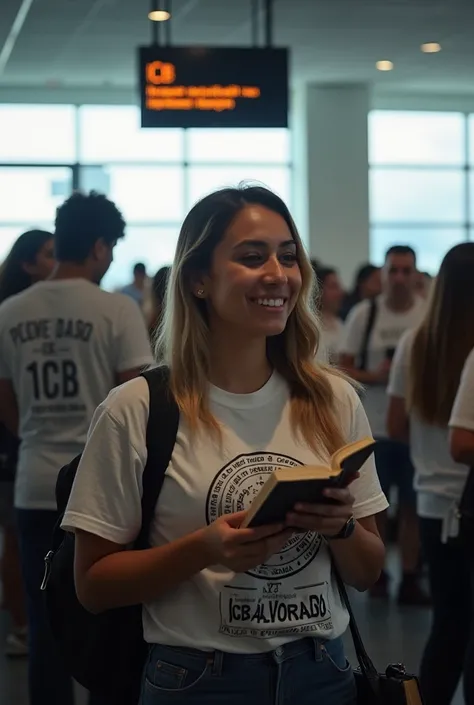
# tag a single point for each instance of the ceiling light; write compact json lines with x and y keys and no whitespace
{"x":384,"y":65}
{"x":431,"y":48}
{"x":159,"y":15}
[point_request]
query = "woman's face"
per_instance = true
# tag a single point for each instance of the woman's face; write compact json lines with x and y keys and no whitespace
{"x":332,"y":294}
{"x":372,"y":285}
{"x":44,"y":263}
{"x":255,"y":277}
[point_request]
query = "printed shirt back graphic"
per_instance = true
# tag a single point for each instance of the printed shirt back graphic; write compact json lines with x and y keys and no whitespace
{"x":62,"y":343}
{"x":292,"y":595}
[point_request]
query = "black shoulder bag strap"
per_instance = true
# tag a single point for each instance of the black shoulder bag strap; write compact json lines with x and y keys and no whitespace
{"x":162,"y":428}
{"x":367,"y":667}
{"x":367,"y":333}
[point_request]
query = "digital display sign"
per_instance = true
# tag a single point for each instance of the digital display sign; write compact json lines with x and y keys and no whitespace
{"x":213,"y":87}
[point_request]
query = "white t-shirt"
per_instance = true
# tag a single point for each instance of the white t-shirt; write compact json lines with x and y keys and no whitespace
{"x":331,"y":337}
{"x":387,"y":330}
{"x":291,"y":596}
{"x":462,"y":415}
{"x":62,"y":343}
{"x":439,"y":481}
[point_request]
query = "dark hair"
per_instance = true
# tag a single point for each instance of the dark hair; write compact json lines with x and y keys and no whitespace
{"x":364,"y":272}
{"x":444,"y":339}
{"x":139,"y":268}
{"x":81,"y":221}
{"x":322,"y":273}
{"x":159,"y":283}
{"x":400,"y":250}
{"x":13,"y":278}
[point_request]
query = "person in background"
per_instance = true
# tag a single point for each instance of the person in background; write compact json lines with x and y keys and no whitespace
{"x":367,"y":355}
{"x":157,"y":299}
{"x":329,"y":303}
{"x":31,"y":259}
{"x":424,"y":282}
{"x":424,"y":380}
{"x":461,"y":426}
{"x":64,"y":343}
{"x":367,"y":285}
{"x":225,"y":623}
{"x":138,"y":287}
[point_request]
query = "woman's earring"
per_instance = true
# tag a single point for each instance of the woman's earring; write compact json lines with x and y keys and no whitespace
{"x":200,"y":292}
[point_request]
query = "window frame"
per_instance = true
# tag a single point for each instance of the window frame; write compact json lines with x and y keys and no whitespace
{"x":465,"y":168}
{"x":184,"y":162}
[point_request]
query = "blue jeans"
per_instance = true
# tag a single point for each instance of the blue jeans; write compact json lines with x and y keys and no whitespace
{"x":305,"y":672}
{"x":394,"y":467}
{"x":49,"y":682}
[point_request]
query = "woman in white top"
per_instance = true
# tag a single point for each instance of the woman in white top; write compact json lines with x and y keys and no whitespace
{"x":462,"y":450}
{"x":235,"y":616}
{"x":424,"y":379}
{"x":329,"y":302}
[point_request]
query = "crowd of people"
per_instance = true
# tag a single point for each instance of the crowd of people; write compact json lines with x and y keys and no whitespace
{"x":270,"y":362}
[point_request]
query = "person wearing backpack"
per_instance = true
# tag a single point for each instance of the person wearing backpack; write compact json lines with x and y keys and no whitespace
{"x":230,"y":615}
{"x":372,"y":331}
{"x":64,"y":344}
{"x":424,"y":382}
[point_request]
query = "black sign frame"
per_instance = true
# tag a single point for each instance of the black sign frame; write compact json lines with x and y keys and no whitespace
{"x":254,"y":80}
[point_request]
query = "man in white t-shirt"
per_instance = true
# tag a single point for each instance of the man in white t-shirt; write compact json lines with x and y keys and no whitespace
{"x":64,"y":343}
{"x":372,"y":332}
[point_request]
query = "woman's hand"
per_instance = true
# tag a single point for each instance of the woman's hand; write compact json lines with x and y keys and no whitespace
{"x":326,"y":519}
{"x":241,"y":549}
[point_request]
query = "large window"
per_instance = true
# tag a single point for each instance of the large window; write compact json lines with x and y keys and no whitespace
{"x":421,"y":182}
{"x":154,"y":176}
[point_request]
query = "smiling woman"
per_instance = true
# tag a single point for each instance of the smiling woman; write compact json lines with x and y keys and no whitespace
{"x":240,"y":340}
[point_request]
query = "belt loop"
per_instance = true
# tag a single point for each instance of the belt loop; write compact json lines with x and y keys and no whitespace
{"x":217,"y":663}
{"x":318,"y":650}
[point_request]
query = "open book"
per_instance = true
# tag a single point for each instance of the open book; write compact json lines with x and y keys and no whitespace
{"x":287,"y":486}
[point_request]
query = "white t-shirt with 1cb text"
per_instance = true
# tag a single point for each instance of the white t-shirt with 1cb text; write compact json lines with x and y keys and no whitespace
{"x":291,"y":596}
{"x":61,"y":344}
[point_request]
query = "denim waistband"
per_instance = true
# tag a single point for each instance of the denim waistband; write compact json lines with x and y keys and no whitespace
{"x":217,"y":660}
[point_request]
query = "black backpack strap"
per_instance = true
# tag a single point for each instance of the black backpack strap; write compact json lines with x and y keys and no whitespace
{"x":162,"y":428}
{"x":367,"y":333}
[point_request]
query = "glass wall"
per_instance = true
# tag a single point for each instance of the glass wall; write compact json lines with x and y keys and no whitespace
{"x":153,"y":175}
{"x":421,"y":182}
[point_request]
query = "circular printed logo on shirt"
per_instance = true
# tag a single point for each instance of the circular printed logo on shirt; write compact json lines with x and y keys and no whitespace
{"x":233,"y":489}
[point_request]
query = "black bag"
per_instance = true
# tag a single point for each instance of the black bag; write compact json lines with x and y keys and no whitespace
{"x":394,"y":687}
{"x":106,"y":652}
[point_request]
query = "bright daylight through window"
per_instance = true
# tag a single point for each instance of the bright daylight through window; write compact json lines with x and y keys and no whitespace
{"x":421,"y":183}
{"x":153,"y":175}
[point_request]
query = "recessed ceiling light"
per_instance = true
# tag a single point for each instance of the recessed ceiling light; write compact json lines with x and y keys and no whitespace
{"x":431,"y":48}
{"x":159,"y":15}
{"x":384,"y":65}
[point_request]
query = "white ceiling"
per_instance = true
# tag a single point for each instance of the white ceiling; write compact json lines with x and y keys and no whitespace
{"x":91,"y":43}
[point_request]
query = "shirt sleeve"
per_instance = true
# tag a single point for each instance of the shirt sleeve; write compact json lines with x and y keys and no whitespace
{"x":106,"y":495}
{"x":398,"y":381}
{"x":133,"y":343}
{"x":462,"y":415}
{"x":368,"y":496}
{"x":353,"y":333}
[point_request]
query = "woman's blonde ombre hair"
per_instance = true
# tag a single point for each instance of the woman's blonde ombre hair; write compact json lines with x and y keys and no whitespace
{"x":183,"y":338}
